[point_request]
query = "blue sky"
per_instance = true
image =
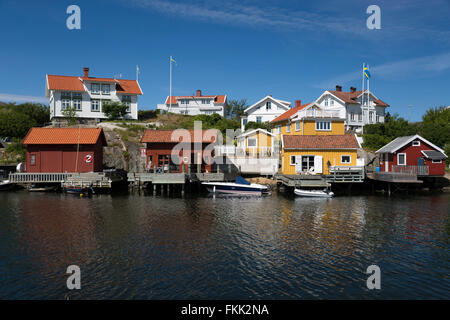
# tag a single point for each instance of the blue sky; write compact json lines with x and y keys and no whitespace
{"x":242,"y":48}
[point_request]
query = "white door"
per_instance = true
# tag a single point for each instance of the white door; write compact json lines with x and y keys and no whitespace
{"x":318,"y":164}
{"x":298,"y":164}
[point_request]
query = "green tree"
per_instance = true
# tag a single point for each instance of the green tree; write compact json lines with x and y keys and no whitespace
{"x":114,"y":110}
{"x":70,"y":113}
{"x":255,"y":125}
{"x":435,"y":126}
{"x":15,"y":124}
{"x":235,"y":108}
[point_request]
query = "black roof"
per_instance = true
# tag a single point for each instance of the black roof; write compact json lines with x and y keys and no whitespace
{"x":434,"y":155}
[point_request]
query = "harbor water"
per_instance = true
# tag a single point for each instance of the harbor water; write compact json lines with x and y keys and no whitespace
{"x":132,"y":246}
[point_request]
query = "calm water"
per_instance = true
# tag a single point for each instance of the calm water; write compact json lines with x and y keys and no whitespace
{"x":276,"y":247}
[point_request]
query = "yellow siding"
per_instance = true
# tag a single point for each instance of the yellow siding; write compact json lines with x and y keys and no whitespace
{"x":263,"y":140}
{"x":308,"y":127}
{"x":334,"y":156}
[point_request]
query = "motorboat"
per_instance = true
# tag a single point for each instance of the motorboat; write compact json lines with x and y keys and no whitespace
{"x":240,"y":186}
{"x":37,"y":188}
{"x":6,"y":185}
{"x":314,"y":193}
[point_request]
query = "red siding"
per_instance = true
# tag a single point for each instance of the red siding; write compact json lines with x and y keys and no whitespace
{"x":413,"y":153}
{"x":62,"y":158}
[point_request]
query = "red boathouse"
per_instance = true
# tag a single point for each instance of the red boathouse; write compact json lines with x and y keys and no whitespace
{"x":197,"y":145}
{"x":414,"y":155}
{"x":64,"y":149}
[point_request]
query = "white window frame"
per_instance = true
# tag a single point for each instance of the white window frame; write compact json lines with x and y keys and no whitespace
{"x":290,"y":160}
{"x":436,"y":161}
{"x":360,"y":117}
{"x":256,"y":142}
{"x":398,"y":158}
{"x":352,"y":116}
{"x":331,"y":102}
{"x":93,"y":85}
{"x":377,"y":117}
{"x":260,"y":118}
{"x":278,"y":129}
{"x":298,"y":126}
{"x":326,"y":102}
{"x":65,"y":103}
{"x":321,"y":125}
{"x":105,"y":92}
{"x":288,"y":127}
{"x":77,"y":104}
{"x":346,"y":155}
{"x":92,"y":105}
{"x":416,"y":145}
{"x":268,"y":105}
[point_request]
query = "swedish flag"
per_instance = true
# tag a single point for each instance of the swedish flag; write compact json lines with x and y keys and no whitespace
{"x":171,"y":59}
{"x":366,"y":71}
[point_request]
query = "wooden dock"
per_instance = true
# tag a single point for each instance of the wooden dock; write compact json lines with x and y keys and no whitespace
{"x":302,"y":181}
{"x":394,"y":177}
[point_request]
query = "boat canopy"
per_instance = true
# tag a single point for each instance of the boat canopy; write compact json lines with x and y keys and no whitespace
{"x":240,"y":180}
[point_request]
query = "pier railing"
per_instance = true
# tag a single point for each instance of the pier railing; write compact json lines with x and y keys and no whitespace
{"x":25,"y":177}
{"x":411,"y":170}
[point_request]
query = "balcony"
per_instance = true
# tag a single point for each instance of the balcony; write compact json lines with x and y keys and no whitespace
{"x":318,"y":114}
{"x":411,"y":170}
{"x":252,"y":152}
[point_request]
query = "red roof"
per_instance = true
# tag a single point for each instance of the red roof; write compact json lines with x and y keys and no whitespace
{"x":64,"y":136}
{"x":72,"y":83}
{"x":168,"y":136}
{"x":350,"y":97}
{"x":217,"y":99}
{"x":345,"y":141}
{"x":289,"y":113}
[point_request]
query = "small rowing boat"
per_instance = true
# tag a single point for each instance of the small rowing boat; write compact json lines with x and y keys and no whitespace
{"x":314,"y":193}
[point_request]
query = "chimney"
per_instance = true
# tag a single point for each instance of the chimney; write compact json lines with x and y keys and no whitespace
{"x":352,"y":89}
{"x":86,"y":72}
{"x":198,"y":93}
{"x":338,"y":88}
{"x":298,"y":103}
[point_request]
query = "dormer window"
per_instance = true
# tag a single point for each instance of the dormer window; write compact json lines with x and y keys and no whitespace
{"x":105,"y":89}
{"x":268,"y":105}
{"x":95,"y":88}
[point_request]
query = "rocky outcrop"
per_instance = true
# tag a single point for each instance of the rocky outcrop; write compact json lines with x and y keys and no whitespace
{"x":371,"y":160}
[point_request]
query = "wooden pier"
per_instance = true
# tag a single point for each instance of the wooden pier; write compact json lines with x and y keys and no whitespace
{"x":302,"y":181}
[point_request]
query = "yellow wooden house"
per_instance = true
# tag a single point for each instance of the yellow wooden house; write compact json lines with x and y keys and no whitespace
{"x":257,"y":142}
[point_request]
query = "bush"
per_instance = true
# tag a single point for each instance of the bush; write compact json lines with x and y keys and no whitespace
{"x":114,"y":110}
{"x":258,"y":125}
{"x":148,"y":114}
{"x":15,"y":124}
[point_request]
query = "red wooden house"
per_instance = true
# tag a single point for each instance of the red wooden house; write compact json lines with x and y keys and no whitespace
{"x":64,"y":149}
{"x":412,"y":154}
{"x":179,"y":150}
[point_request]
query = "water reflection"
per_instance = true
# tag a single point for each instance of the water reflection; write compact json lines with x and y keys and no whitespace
{"x":276,"y":247}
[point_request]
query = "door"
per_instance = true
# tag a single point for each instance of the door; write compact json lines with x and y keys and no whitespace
{"x":420,"y":161}
{"x":318,"y":164}
{"x":298,"y":164}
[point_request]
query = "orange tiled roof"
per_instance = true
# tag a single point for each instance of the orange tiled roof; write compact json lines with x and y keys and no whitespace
{"x":64,"y":136}
{"x":174,"y":99}
{"x":289,"y":113}
{"x":72,"y":83}
{"x":166,"y":136}
{"x":345,"y":141}
{"x":350,"y":97}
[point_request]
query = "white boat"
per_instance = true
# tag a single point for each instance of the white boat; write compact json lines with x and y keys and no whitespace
{"x":314,"y":193}
{"x":240,"y":186}
{"x":6,"y":185}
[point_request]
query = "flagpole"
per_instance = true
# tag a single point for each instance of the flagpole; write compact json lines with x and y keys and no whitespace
{"x":368,"y":97}
{"x":170,"y":90}
{"x":362,"y":98}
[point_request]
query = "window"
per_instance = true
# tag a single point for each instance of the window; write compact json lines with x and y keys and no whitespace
{"x":258,"y":119}
{"x":95,"y":105}
{"x":126,"y":100}
{"x":370,"y":116}
{"x":268,"y":105}
{"x":251,"y":142}
{"x":352,"y":116}
{"x":32,"y":159}
{"x":401,"y":159}
{"x":288,"y":127}
{"x":292,"y":160}
{"x":416,"y":143}
{"x":331,"y":102}
{"x":436,"y":161}
{"x":326,"y":102}
{"x":278,"y":129}
{"x":244,"y":121}
{"x":323,"y":125}
{"x":307,"y":162}
{"x":65,"y":103}
{"x":360,"y":117}
{"x":346,"y":159}
{"x":77,"y":104}
{"x":297,"y":126}
{"x":184,"y":101}
{"x":95,"y":88}
{"x":105,"y":89}
{"x":163,"y":160}
{"x":377,"y":117}
{"x":206,"y":101}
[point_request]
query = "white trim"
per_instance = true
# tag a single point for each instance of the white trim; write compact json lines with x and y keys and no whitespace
{"x":295,"y":125}
{"x":416,"y":145}
{"x":254,"y":131}
{"x":436,"y":161}
{"x":325,"y":121}
{"x":256,"y":142}
{"x":278,"y":102}
{"x":398,"y":163}
{"x":411,"y":139}
{"x":290,"y":160}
